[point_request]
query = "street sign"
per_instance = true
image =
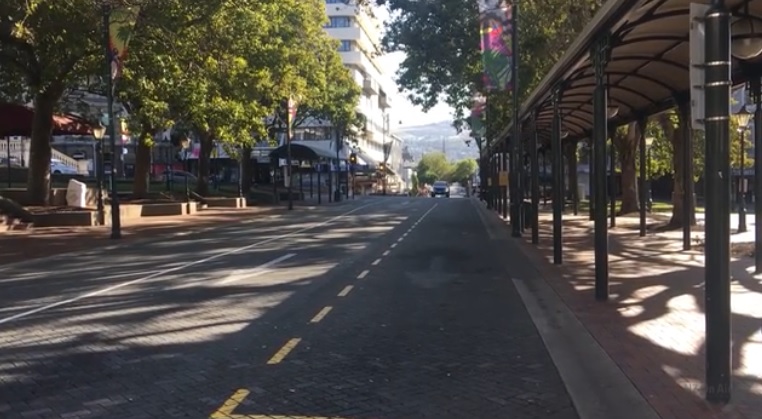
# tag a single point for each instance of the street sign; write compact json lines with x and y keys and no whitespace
{"x":503,"y":180}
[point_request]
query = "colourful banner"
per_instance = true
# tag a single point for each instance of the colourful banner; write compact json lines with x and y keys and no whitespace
{"x":496,"y":29}
{"x":121,"y":23}
{"x":478,"y":116}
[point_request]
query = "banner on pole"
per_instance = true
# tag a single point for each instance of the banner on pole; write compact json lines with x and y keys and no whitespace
{"x":121,"y":24}
{"x":476,"y":120}
{"x":496,"y":29}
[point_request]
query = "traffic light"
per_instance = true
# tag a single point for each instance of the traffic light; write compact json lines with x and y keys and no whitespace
{"x":353,"y":158}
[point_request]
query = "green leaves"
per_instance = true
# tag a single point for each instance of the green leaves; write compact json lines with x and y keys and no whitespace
{"x":434,"y":166}
{"x":443,"y":63}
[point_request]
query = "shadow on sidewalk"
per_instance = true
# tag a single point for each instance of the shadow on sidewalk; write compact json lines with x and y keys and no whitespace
{"x":653,"y":324}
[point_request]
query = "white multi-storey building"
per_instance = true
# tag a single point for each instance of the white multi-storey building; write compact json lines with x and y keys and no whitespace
{"x":359,"y":34}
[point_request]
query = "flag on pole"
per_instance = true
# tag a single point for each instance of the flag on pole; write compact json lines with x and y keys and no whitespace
{"x":496,"y":29}
{"x":121,"y":23}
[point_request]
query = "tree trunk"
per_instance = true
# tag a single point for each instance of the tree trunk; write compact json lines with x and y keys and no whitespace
{"x":627,"y":148}
{"x":202,"y":187}
{"x":38,"y":180}
{"x":142,"y":165}
{"x":246,"y":170}
{"x":675,"y":136}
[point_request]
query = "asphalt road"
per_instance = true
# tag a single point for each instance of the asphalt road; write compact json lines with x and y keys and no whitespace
{"x":388,"y":307}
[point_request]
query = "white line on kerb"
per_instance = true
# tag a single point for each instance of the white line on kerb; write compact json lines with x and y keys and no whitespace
{"x":240,"y":274}
{"x":170,"y":270}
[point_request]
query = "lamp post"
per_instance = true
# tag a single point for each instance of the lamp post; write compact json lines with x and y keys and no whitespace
{"x":185,"y":144}
{"x":98,"y":133}
{"x":649,"y":196}
{"x":385,"y":153}
{"x":240,"y":172}
{"x":742,"y":117}
{"x":116,"y":224}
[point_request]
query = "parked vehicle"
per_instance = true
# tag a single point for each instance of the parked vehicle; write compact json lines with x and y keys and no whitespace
{"x":57,"y":167}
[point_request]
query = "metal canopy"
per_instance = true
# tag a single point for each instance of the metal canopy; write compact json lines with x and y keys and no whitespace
{"x":301,"y":151}
{"x":648,"y":67}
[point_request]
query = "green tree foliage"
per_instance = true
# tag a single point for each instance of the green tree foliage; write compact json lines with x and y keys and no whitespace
{"x":463,"y":170}
{"x":434,"y":166}
{"x":442,"y":47}
{"x":154,"y":68}
{"x":332,"y":95}
{"x":44,"y":47}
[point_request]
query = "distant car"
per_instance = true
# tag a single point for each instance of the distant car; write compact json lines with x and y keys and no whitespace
{"x":59,"y":168}
{"x":440,"y":187}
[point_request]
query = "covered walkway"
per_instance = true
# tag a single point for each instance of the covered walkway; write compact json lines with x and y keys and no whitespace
{"x":634,"y":60}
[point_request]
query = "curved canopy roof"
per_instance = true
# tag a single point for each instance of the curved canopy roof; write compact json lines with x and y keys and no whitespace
{"x":647,"y":72}
{"x":306,"y":151}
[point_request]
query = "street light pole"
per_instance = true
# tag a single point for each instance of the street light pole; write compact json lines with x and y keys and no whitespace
{"x":385,"y":153}
{"x":98,"y":167}
{"x":116,"y":224}
{"x":743,"y":117}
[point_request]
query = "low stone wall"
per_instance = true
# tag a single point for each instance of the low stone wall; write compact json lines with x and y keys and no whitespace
{"x":65,"y":219}
{"x":226,"y":202}
{"x":162,"y":210}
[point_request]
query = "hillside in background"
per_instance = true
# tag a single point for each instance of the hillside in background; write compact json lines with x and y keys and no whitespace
{"x":440,"y":136}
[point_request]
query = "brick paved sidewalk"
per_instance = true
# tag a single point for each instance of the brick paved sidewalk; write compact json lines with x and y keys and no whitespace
{"x":36,"y":243}
{"x":653,"y":325}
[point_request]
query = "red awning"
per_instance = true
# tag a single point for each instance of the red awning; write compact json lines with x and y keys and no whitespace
{"x":17,"y":120}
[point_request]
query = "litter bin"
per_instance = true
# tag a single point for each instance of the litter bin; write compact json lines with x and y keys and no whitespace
{"x":527,"y":214}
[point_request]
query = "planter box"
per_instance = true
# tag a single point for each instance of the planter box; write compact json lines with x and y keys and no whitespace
{"x":226,"y":202}
{"x":65,"y":219}
{"x":163,"y":210}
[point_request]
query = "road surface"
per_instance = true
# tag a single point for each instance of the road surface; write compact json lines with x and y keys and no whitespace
{"x":387,"y":307}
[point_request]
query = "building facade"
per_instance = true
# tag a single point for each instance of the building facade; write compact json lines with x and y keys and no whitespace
{"x":359,"y":35}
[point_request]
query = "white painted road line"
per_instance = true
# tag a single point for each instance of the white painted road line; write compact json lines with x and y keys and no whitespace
{"x":240,"y":274}
{"x":376,"y":262}
{"x":345,"y":291}
{"x":393,"y":245}
{"x":170,"y":270}
{"x":363,"y":274}
{"x":386,"y":253}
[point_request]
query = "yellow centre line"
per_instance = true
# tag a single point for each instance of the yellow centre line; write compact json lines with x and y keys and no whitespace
{"x":376,"y":262}
{"x":345,"y":291}
{"x":321,"y":314}
{"x":284,"y":351}
{"x":363,"y":274}
{"x":226,"y":410}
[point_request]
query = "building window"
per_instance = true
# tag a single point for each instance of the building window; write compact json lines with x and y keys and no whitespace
{"x":345,"y":46}
{"x":339,"y":22}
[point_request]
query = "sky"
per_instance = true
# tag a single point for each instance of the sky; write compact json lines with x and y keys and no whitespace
{"x":404,"y":113}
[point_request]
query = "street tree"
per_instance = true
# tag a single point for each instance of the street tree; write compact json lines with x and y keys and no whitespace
{"x":433,"y":167}
{"x":462,"y":171}
{"x":51,"y":47}
{"x":153,"y":69}
{"x":442,"y":47}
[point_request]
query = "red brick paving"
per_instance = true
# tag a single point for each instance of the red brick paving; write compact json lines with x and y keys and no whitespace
{"x":653,"y":325}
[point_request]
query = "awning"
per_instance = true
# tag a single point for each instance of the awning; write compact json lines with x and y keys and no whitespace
{"x":17,"y":120}
{"x":303,"y":151}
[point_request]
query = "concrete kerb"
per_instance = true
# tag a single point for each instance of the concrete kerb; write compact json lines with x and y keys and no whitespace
{"x":187,"y":231}
{"x":597,"y":386}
